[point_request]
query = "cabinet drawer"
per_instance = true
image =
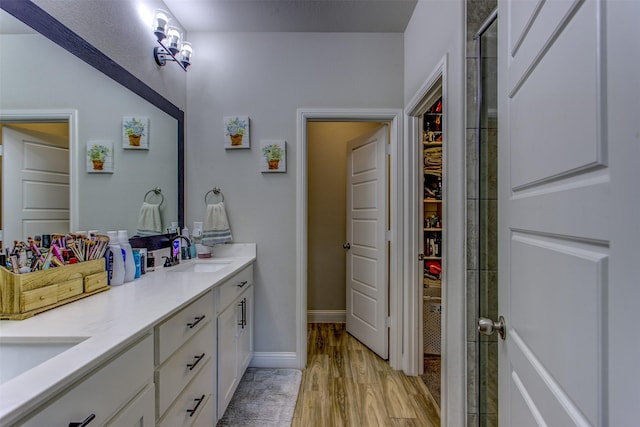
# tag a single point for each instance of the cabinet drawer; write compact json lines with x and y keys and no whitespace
{"x":139,"y":412}
{"x":95,"y":281}
{"x":206,"y":416}
{"x":183,"y":325}
{"x":69,"y":289}
{"x":41,"y":297}
{"x":192,"y":401}
{"x":104,"y":392}
{"x":233,"y":287}
{"x":183,"y":366}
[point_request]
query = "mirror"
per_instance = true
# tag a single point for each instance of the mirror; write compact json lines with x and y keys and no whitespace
{"x":56,"y":74}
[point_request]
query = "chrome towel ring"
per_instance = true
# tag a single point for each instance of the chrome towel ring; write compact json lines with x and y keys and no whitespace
{"x":216,"y":191}
{"x":154,"y":192}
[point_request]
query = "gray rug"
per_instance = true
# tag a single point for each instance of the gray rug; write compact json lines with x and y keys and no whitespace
{"x":265,"y":398}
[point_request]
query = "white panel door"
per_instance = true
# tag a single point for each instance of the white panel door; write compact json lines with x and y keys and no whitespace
{"x":367,"y":274}
{"x":35,"y":177}
{"x":557,"y":221}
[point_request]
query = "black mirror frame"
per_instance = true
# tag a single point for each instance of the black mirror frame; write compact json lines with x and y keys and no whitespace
{"x":45,"y":24}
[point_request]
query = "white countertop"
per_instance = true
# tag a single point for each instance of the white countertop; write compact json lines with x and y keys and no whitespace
{"x":109,"y":321}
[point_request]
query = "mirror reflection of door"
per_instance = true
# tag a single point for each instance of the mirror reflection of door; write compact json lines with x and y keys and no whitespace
{"x":35,"y":179}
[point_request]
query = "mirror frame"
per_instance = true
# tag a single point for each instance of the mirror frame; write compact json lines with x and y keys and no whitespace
{"x":45,"y":24}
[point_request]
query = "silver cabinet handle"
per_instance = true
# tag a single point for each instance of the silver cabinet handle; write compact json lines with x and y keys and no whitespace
{"x":488,"y":326}
{"x":241,"y":284}
{"x":83,"y":423}
{"x":192,"y":325}
{"x":197,"y":360}
{"x":195,"y":408}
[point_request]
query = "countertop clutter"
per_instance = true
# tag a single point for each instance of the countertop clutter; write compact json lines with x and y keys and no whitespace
{"x":88,"y":332}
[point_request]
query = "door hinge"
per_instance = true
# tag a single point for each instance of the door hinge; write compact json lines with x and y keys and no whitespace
{"x":387,"y":322}
{"x":388,"y":235}
{"x":387,"y":149}
{"x":1,"y":151}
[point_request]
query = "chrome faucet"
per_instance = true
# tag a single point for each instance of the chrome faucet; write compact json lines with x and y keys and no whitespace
{"x":174,"y":255}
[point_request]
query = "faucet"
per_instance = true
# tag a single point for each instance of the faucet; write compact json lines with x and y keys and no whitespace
{"x":174,"y":255}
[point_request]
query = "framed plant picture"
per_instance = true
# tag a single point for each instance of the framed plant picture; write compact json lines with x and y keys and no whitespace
{"x":236,"y":132}
{"x":100,"y":157}
{"x":135,"y":133}
{"x":273,"y":156}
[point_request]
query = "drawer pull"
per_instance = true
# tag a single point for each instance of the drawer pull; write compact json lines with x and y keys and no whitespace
{"x":83,"y":423}
{"x":197,"y":360}
{"x":241,"y":284}
{"x":197,"y":320}
{"x":195,"y":408}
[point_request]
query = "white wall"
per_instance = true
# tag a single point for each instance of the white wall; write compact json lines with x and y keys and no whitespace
{"x":436,"y":29}
{"x":268,"y":76}
{"x":123,"y":31}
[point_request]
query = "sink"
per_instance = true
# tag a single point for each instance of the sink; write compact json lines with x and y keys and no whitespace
{"x":202,"y":267}
{"x":18,"y":355}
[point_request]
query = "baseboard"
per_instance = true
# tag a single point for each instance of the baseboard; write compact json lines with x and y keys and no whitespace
{"x":274,"y":360}
{"x":326,"y":316}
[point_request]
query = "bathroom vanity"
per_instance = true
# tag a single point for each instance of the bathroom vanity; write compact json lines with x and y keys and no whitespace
{"x":167,"y":349}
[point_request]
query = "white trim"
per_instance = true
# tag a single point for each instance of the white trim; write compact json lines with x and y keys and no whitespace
{"x":392,"y":116}
{"x":71,"y":116}
{"x":326,"y":316}
{"x":267,"y":359}
{"x":454,"y":264}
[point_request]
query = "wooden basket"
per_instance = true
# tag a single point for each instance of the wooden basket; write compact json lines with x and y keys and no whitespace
{"x":24,"y":295}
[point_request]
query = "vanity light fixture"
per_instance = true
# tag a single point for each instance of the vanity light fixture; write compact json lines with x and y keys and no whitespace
{"x":171,"y":48}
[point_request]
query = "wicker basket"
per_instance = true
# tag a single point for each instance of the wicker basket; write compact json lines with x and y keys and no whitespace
{"x":431,"y":326}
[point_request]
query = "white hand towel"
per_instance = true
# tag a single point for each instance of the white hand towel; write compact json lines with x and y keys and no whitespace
{"x":216,"y":225}
{"x":149,"y":221}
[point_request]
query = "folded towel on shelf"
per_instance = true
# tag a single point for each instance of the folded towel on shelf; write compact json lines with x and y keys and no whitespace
{"x":216,"y":225}
{"x":149,"y":222}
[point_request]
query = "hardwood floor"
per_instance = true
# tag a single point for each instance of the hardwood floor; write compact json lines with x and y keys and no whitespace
{"x":346,"y":384}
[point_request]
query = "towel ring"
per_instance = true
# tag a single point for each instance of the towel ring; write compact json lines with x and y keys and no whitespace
{"x":216,"y":191}
{"x":156,"y":191}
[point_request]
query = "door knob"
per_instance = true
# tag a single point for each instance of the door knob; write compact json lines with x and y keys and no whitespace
{"x":488,"y":326}
{"x":420,"y":257}
{"x":347,"y":245}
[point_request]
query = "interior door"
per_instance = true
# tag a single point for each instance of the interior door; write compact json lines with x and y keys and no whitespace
{"x":367,"y":258}
{"x":38,"y":200}
{"x":556,"y":227}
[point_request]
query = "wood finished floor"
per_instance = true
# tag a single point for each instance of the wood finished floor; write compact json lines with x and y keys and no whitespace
{"x":346,"y":384}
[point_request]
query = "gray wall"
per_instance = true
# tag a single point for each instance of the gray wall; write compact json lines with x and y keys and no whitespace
{"x":267,"y":76}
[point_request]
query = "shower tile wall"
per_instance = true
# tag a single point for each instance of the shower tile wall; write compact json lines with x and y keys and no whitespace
{"x":481,"y":407}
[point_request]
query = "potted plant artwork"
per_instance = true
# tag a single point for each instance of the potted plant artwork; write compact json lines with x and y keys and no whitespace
{"x":134,"y":132}
{"x":100,"y":157}
{"x":236,"y":130}
{"x":274,"y":155}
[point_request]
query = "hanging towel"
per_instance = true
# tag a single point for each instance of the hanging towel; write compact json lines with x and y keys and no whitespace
{"x":149,"y":222}
{"x":216,"y":225}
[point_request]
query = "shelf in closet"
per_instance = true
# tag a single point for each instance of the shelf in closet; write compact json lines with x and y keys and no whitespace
{"x":432,"y":144}
{"x":432,"y":201}
{"x":432,"y":283}
{"x":432,"y":258}
{"x":437,"y":230}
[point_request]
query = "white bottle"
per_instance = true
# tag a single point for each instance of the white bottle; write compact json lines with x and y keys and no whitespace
{"x":117,"y":259}
{"x":129,"y":263}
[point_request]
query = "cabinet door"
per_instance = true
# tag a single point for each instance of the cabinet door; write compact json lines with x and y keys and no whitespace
{"x":245,"y":336}
{"x":139,"y":412}
{"x":227,"y":359}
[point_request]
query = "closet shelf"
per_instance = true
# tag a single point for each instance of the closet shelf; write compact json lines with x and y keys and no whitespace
{"x":433,"y":229}
{"x":432,"y":201}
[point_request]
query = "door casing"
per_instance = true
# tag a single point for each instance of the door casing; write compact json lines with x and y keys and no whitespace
{"x":394,"y":118}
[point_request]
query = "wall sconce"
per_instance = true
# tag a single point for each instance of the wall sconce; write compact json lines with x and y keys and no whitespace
{"x":171,"y":48}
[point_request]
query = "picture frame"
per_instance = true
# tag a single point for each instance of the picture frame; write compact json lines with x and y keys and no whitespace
{"x":273,"y":156}
{"x":236,"y":132}
{"x":135,"y":133}
{"x":99,"y":157}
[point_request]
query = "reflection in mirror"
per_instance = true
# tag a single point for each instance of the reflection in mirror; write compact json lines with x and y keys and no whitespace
{"x":51,"y":83}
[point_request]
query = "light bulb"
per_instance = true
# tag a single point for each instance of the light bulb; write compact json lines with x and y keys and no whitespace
{"x":161,"y":20}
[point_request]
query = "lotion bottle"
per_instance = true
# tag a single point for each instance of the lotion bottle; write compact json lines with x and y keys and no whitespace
{"x":129,"y":263}
{"x":115,"y":254}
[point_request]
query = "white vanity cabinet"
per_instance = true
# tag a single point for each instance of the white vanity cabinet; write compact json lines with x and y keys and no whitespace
{"x":121,"y":392}
{"x":185,"y":366}
{"x":234,"y":310}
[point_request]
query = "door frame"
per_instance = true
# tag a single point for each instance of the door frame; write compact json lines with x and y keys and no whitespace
{"x":393,"y":117}
{"x":71,"y":116}
{"x":454,"y":322}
